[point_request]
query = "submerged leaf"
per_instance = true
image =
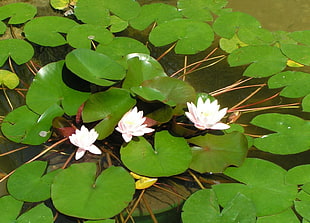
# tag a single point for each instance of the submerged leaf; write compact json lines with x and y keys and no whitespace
{"x":78,"y":192}
{"x":292,"y":133}
{"x":9,"y":79}
{"x":191,"y":36}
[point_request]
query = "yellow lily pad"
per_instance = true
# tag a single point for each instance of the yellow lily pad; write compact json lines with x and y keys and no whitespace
{"x":9,"y":79}
{"x":143,"y":182}
{"x":292,"y":63}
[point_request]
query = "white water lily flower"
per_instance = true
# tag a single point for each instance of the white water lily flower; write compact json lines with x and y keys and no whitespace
{"x":131,"y":124}
{"x":84,"y":139}
{"x":206,"y":115}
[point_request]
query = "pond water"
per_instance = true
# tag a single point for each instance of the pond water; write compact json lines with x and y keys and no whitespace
{"x":288,"y":15}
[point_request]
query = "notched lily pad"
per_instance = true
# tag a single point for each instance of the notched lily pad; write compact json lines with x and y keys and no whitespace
{"x":292,"y":134}
{"x":298,"y":53}
{"x":191,"y":36}
{"x":9,"y":79}
{"x":19,"y":50}
{"x":18,"y":13}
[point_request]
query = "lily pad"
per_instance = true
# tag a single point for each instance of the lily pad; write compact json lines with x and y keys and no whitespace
{"x":255,"y":36}
{"x":61,"y":4}
{"x":28,"y":183}
{"x":170,"y":156}
{"x":141,"y":67}
{"x":229,"y":45}
{"x":191,"y":36}
{"x":77,"y":191}
{"x":298,"y":175}
{"x":298,"y":53}
{"x":155,"y":12}
{"x":285,"y":216}
{"x":201,"y":9}
{"x":296,"y":84}
{"x":11,"y":208}
{"x":18,"y":13}
{"x":262,"y":181}
{"x":122,"y":46}
{"x":19,"y":50}
{"x":214,"y":153}
{"x":228,"y":24}
{"x":22,"y":125}
{"x":117,"y":24}
{"x":48,"y":90}
{"x":302,"y":37}
{"x":306,"y":103}
{"x":9,"y":79}
{"x":102,"y":106}
{"x":81,"y":36}
{"x":47,"y":30}
{"x":265,"y":60}
{"x":94,"y":67}
{"x":292,"y":133}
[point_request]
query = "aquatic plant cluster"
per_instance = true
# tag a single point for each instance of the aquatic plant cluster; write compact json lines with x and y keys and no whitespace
{"x":128,"y":126}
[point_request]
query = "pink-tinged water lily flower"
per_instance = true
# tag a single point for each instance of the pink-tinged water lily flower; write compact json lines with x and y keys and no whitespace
{"x":132,"y":124}
{"x":84,"y":139}
{"x":206,"y":115}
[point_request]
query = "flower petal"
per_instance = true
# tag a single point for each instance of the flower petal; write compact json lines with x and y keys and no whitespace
{"x":79,"y":153}
{"x":94,"y":149}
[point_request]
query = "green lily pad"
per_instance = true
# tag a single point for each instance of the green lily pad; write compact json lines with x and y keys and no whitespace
{"x":285,"y":216}
{"x":94,"y":67}
{"x":297,"y":53}
{"x":202,"y":207}
{"x":29,"y":184}
{"x":263,"y":183}
{"x":19,"y":50}
{"x":2,"y":28}
{"x":48,"y":90}
{"x":47,"y":30}
{"x":298,"y":175}
{"x":228,"y":24}
{"x":77,"y":191}
{"x":98,"y":11}
{"x":155,"y":12}
{"x":81,"y":36}
{"x":170,"y":156}
{"x":265,"y":60}
{"x":191,"y":36}
{"x":292,"y":133}
{"x":11,"y":208}
{"x":9,"y":79}
{"x":302,"y":205}
{"x":201,"y":9}
{"x":255,"y":36}
{"x":175,"y":91}
{"x":302,"y":37}
{"x":17,"y":12}
{"x":296,"y":84}
{"x":117,"y":24}
{"x":102,"y":106}
{"x":229,"y":45}
{"x":306,"y":103}
{"x":60,"y":4}
{"x":141,"y":67}
{"x":214,"y":153}
{"x":22,"y":125}
{"x":151,"y":94}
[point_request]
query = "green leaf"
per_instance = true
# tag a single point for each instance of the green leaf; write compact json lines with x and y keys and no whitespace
{"x":10,"y":208}
{"x":39,"y":213}
{"x":9,"y":79}
{"x":191,"y":36}
{"x":214,"y":153}
{"x":155,"y":12}
{"x":2,"y":28}
{"x":265,"y":60}
{"x":22,"y":125}
{"x":306,"y":103}
{"x":48,"y":89}
{"x":78,"y":192}
{"x":302,"y":37}
{"x":94,"y":67}
{"x":117,"y":24}
{"x":292,"y":133}
{"x":170,"y":156}
{"x":229,"y":45}
{"x":202,"y":207}
{"x":141,"y":67}
{"x":19,"y":50}
{"x":121,"y":46}
{"x":201,"y":9}
{"x":298,"y":175}
{"x":255,"y":36}
{"x":81,"y":36}
{"x":102,"y":106}
{"x":263,"y":183}
{"x":298,"y":53}
{"x":303,"y":208}
{"x":228,"y":24}
{"x":296,"y":84}
{"x":60,"y":4}
{"x":28,"y":184}
{"x":17,"y":12}
{"x":48,"y":30}
{"x":285,"y":216}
